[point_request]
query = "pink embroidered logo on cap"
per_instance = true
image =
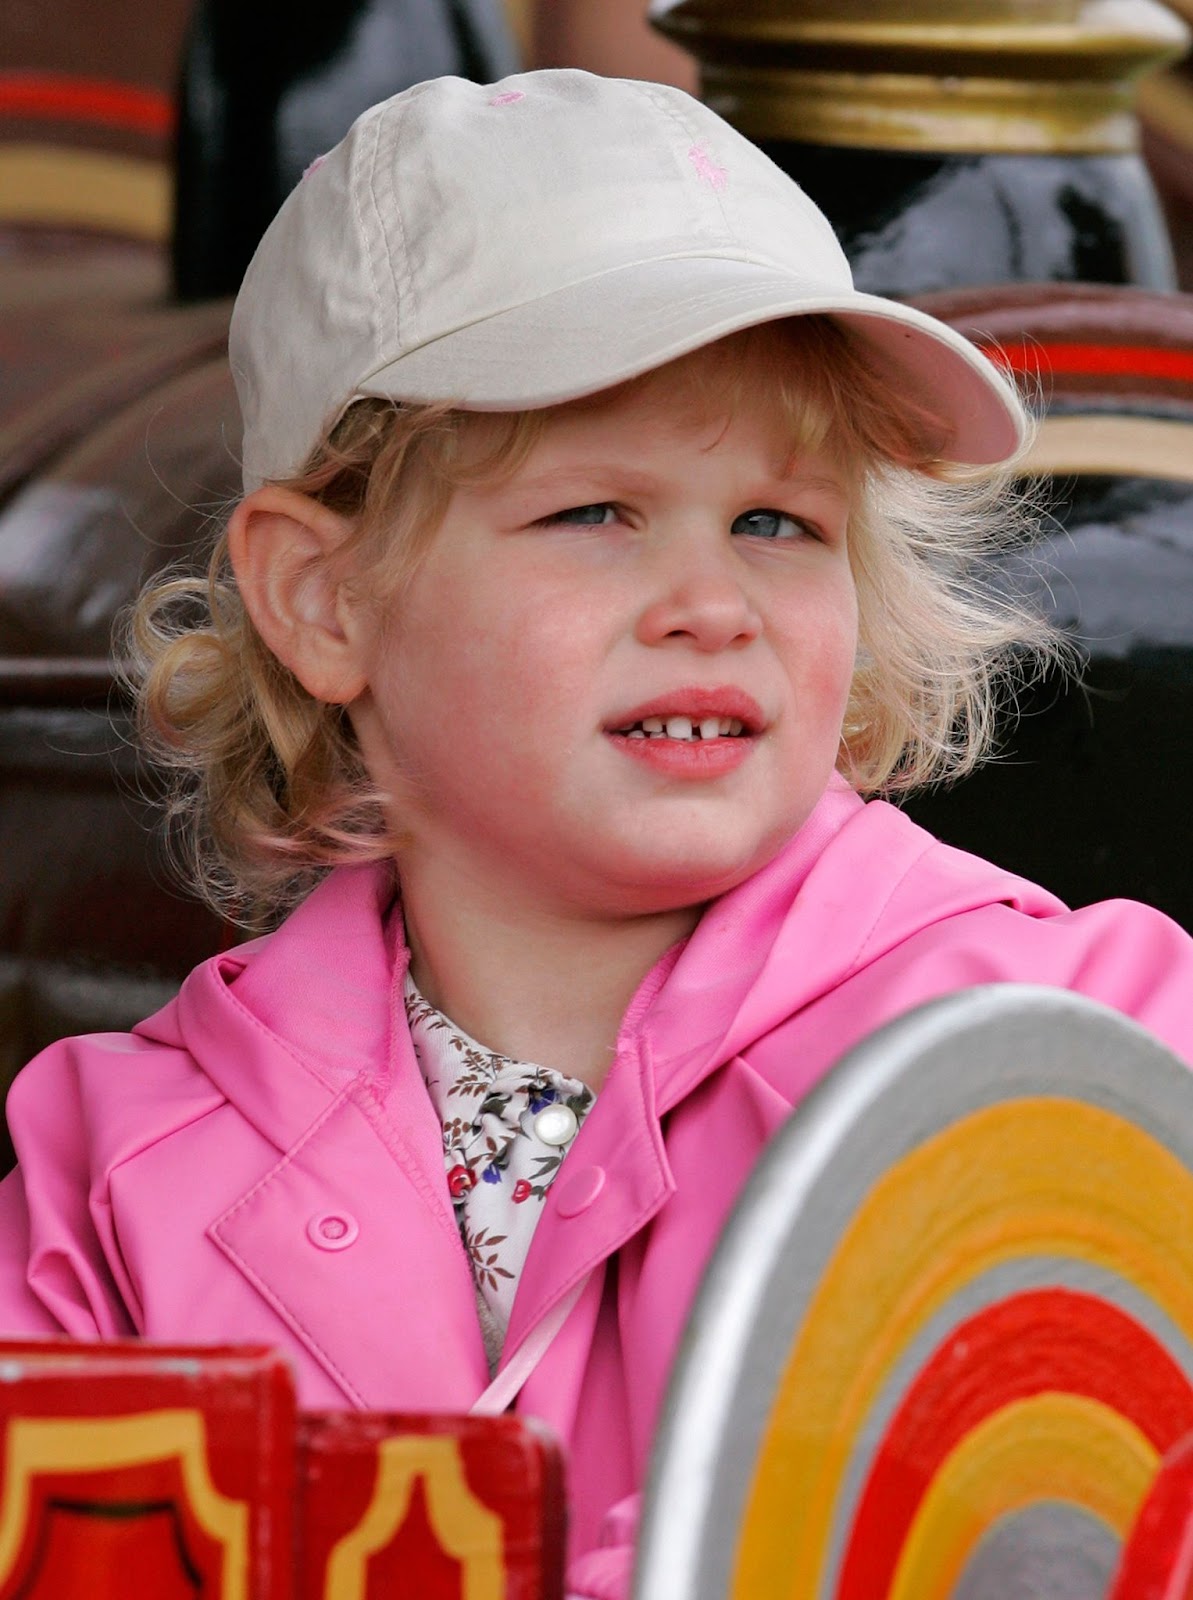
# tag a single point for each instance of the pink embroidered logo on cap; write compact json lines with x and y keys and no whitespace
{"x":507,"y":99}
{"x":706,"y":168}
{"x":317,"y":162}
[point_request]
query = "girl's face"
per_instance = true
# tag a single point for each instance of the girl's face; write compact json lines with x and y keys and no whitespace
{"x":616,"y":683}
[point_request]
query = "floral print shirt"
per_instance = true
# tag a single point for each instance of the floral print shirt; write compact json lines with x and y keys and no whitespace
{"x":494,"y":1113}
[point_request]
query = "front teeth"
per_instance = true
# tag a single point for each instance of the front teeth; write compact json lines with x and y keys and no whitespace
{"x":685,"y":729}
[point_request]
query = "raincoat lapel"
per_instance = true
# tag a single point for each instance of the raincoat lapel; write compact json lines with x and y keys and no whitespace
{"x":350,"y":1236}
{"x":348,"y":1241}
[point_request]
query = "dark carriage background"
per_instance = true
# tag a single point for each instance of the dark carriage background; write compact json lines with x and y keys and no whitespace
{"x":986,"y":160}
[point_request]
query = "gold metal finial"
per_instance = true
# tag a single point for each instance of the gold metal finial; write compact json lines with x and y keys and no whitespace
{"x":938,"y":75}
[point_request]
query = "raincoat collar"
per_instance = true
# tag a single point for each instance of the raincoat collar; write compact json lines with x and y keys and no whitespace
{"x":283,"y":1024}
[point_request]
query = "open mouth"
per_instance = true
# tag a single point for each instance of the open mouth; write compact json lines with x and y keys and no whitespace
{"x":683,"y":728}
{"x":722,"y":721}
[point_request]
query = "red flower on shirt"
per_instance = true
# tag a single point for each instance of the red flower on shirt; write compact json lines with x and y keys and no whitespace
{"x":459,"y":1180}
{"x":521,"y":1192}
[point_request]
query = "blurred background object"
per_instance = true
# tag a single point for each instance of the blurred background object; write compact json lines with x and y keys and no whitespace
{"x":951,"y":143}
{"x":1092,"y":790}
{"x":261,"y":97}
{"x":611,"y":37}
{"x":87,"y":95}
{"x":1166,"y":118}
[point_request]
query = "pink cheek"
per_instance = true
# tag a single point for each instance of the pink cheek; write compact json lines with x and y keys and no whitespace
{"x":828,"y":681}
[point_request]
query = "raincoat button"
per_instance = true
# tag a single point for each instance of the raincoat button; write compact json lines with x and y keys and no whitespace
{"x":332,"y":1230}
{"x":575,"y":1191}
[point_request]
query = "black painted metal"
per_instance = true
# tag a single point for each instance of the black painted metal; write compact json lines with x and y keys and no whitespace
{"x":912,"y":222}
{"x":1092,"y":794}
{"x":265,"y":91}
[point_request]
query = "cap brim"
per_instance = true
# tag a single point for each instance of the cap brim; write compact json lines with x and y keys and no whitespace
{"x":603,"y":330}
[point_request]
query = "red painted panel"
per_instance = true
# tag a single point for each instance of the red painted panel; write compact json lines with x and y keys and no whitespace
{"x":510,"y":1470}
{"x":1157,"y":1561}
{"x":191,"y":1469}
{"x":175,"y":1464}
{"x":86,"y":1549}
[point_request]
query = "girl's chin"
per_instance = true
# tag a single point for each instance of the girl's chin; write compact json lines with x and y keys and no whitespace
{"x":682,"y":880}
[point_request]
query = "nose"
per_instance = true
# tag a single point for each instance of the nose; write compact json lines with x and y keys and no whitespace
{"x":699,"y":599}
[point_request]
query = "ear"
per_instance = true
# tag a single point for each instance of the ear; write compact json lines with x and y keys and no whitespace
{"x":282,"y":546}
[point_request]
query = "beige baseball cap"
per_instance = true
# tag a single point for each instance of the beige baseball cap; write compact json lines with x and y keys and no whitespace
{"x":513,"y":245}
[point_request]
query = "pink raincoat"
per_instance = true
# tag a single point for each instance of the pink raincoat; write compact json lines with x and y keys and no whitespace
{"x":260,"y":1160}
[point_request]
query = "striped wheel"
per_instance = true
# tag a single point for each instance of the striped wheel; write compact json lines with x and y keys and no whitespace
{"x":947,"y":1336}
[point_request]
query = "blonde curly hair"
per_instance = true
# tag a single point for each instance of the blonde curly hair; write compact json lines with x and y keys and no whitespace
{"x":265,"y":786}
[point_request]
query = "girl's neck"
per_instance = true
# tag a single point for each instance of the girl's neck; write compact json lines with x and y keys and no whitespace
{"x":535,"y":985}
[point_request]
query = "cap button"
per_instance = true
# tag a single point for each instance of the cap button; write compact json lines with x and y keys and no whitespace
{"x":556,"y":1125}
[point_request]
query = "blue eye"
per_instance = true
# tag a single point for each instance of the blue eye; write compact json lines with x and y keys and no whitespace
{"x":766,"y":524}
{"x":594,"y":516}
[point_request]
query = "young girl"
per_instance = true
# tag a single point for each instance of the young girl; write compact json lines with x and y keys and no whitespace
{"x":600,"y":547}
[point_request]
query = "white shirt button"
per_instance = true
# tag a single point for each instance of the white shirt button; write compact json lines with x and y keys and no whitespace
{"x":555,"y":1125}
